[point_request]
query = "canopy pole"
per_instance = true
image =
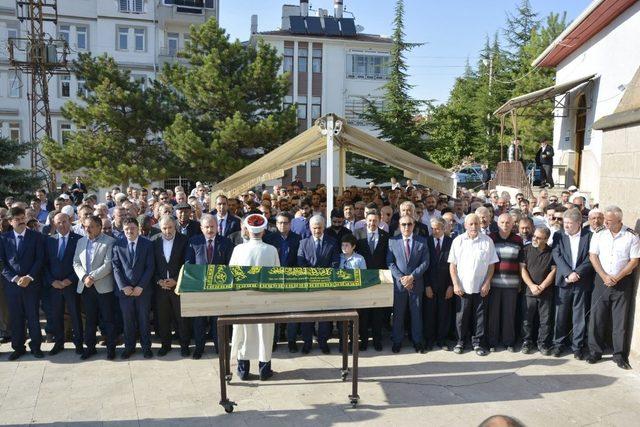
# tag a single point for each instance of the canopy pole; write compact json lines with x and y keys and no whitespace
{"x":502,"y":138}
{"x":329,"y":132}
{"x":343,"y":169}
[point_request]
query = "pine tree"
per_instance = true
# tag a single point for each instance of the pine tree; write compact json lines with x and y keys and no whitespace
{"x":15,"y":182}
{"x":118,"y":126}
{"x":398,"y":120}
{"x":230,"y":103}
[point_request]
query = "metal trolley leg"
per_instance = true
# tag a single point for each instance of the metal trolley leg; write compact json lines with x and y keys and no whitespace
{"x":224,"y":368}
{"x":353,"y":398}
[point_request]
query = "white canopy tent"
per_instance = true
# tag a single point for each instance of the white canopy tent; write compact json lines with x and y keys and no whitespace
{"x":329,"y":134}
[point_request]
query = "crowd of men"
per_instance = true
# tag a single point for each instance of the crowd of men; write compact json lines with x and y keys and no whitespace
{"x":547,"y":273}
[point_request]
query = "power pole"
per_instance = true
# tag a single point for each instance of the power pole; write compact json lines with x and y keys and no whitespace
{"x":41,"y":56}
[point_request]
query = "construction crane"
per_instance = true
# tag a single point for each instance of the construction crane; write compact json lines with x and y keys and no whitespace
{"x":41,"y":56}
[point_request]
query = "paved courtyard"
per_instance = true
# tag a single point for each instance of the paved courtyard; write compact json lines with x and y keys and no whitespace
{"x":439,"y":388}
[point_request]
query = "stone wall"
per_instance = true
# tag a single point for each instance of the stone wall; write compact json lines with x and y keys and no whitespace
{"x":620,"y":185}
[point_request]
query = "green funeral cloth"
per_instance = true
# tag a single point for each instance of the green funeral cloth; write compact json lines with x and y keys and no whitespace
{"x":215,"y":278}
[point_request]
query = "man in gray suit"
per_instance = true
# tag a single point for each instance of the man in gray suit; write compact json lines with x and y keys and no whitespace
{"x":92,"y":264}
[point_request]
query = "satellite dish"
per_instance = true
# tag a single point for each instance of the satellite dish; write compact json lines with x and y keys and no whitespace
{"x":359,"y":28}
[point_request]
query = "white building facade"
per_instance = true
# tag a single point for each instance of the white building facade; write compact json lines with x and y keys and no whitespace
{"x":331,"y":72}
{"x":602,"y":41}
{"x":140,"y":35}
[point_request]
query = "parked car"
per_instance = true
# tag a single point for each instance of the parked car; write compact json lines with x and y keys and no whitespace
{"x":471,"y":174}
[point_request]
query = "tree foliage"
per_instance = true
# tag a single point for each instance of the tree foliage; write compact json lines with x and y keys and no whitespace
{"x":15,"y":182}
{"x":398,"y":120}
{"x":117,"y":127}
{"x":230,"y":103}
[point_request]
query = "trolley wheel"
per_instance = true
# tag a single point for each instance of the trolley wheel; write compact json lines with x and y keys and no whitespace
{"x":344,"y":374}
{"x":228,"y":406}
{"x":353,"y":400}
{"x":228,"y":378}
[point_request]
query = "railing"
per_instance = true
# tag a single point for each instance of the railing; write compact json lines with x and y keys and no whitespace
{"x":512,"y":174}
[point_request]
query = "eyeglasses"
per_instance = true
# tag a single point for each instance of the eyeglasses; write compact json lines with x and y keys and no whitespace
{"x":406,"y":224}
{"x":553,"y":200}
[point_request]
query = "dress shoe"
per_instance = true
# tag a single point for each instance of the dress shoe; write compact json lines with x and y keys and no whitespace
{"x":266,"y":375}
{"x":293,"y":347}
{"x":544,"y":350}
{"x":526,"y":348}
{"x":377,"y":346}
{"x":363,"y":346}
{"x":184,"y":351}
{"x":111,"y":354}
{"x":79,"y":350}
{"x":419,"y":348}
{"x":16,"y":354}
{"x":396,"y":348}
{"x":622,"y":364}
{"x":578,"y":355}
{"x":458,"y":349}
{"x":126,"y":354}
{"x":306,"y":348}
{"x":164,"y":350}
{"x":57,"y":348}
{"x":147,"y":353}
{"x":197,"y":354}
{"x":593,"y":358}
{"x":37,"y":353}
{"x":480,"y":351}
{"x":557,"y":351}
{"x":324,"y":348}
{"x":5,"y":340}
{"x":87,"y":353}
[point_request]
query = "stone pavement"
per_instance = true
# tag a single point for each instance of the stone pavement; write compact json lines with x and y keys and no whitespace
{"x":439,"y":388}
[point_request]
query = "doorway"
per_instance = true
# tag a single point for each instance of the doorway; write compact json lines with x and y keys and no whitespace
{"x":581,"y":124}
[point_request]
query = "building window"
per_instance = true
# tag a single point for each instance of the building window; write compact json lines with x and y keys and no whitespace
{"x":12,"y":33}
{"x":65,"y":86}
{"x":302,"y":60}
{"x":65,"y":132}
{"x":316,"y":62}
{"x":355,"y":106}
{"x":15,"y":84}
{"x":123,"y":38}
{"x":14,"y":131}
{"x":302,"y":111}
{"x":139,"y":35}
{"x":64,"y":33}
{"x":81,"y":38}
{"x":362,"y":66}
{"x":315,"y":111}
{"x":187,"y":40}
{"x":172,"y":43}
{"x":288,"y":60}
{"x":131,"y":6}
{"x":82,"y":88}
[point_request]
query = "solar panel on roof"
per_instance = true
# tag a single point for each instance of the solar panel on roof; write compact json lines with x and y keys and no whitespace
{"x":314,"y":26}
{"x":297,"y":25}
{"x":348,"y":26}
{"x":331,"y":26}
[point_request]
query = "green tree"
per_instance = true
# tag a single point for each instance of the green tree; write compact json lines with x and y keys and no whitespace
{"x":118,"y":126}
{"x":230,"y":103}
{"x":398,"y":120}
{"x":15,"y":182}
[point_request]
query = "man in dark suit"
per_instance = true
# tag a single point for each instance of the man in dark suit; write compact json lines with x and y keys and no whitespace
{"x":408,"y":260}
{"x":407,"y":208}
{"x":185,"y":225}
{"x":133,"y":273}
{"x":373,"y":244}
{"x":207,"y":248}
{"x":574,"y":281}
{"x":319,"y":250}
{"x":287,"y":243}
{"x":544,"y":159}
{"x":337,"y":229}
{"x":227,"y":222}
{"x":170,"y":250}
{"x":22,"y":258}
{"x":61,"y":277}
{"x":438,"y":288}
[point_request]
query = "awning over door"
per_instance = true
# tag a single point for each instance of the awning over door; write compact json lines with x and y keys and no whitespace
{"x":540,"y":95}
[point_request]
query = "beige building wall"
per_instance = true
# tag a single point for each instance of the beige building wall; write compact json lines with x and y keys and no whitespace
{"x":620,"y":185}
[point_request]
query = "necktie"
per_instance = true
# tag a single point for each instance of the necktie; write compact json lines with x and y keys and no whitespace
{"x":284,"y":252}
{"x":19,"y":243}
{"x":132,"y":253}
{"x":61,"y":249}
{"x":318,"y":250}
{"x":438,"y":249}
{"x":407,"y":249}
{"x":221,"y":227}
{"x":372,"y":243}
{"x":210,"y":251}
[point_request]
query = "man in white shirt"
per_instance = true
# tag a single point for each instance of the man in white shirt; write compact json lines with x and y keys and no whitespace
{"x":614,"y":254}
{"x":471,"y":264}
